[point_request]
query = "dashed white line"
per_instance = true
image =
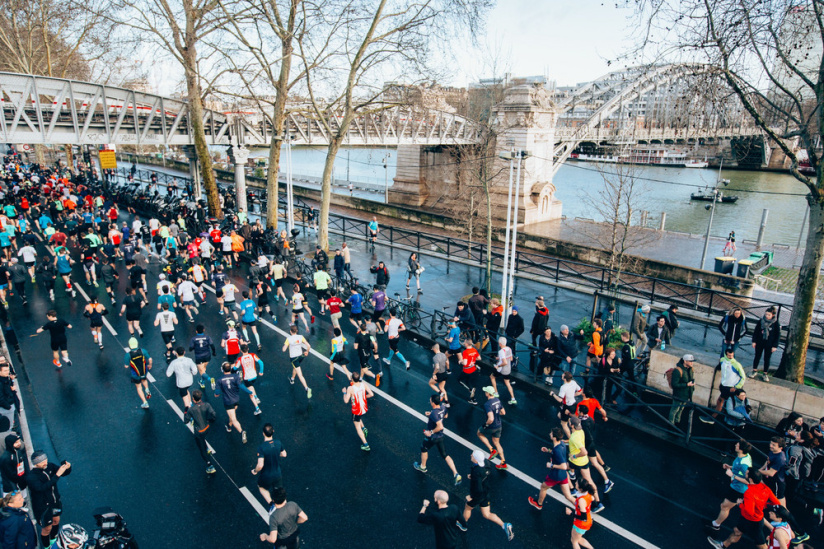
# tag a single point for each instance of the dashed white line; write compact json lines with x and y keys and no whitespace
{"x":255,"y":503}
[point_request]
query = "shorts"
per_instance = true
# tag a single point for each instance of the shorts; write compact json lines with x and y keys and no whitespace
{"x":96,"y":323}
{"x":189,"y":303}
{"x":579,"y":530}
{"x":231,"y":359}
{"x":428,"y":443}
{"x":219,"y":292}
{"x":29,"y":263}
{"x":46,"y":518}
{"x":441,"y":377}
{"x":250,"y":323}
{"x":229,"y":304}
{"x":732,"y":495}
{"x":578,"y":468}
{"x":570,"y":410}
{"x":376,"y":315}
{"x":292,"y":542}
{"x":278,"y":283}
{"x":591,"y":355}
{"x":356,"y":316}
{"x":232,"y":406}
{"x":132,"y":317}
{"x":249,"y":382}
{"x":322,"y":294}
{"x":297,"y":310}
{"x":296,"y":361}
{"x":779,"y":487}
{"x":183,"y":391}
{"x":752,"y":529}
{"x":364,"y":360}
{"x":270,"y":483}
{"x":549,"y":483}
{"x":490,"y":432}
{"x":393,"y":343}
{"x":167,"y":337}
{"x":202,"y":359}
{"x":725,"y":392}
{"x":340,"y":359}
{"x":88,"y":267}
{"x":357,"y":417}
{"x":138,"y":380}
{"x":59,"y":345}
{"x":136,"y":284}
{"x":499,"y":375}
{"x":482,"y":502}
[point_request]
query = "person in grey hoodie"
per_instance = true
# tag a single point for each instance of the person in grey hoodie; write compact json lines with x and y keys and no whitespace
{"x":184,"y":370}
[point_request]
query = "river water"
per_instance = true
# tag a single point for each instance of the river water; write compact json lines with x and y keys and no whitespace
{"x":665,"y":190}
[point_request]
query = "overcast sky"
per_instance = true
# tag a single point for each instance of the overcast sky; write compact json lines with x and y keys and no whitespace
{"x":569,"y":41}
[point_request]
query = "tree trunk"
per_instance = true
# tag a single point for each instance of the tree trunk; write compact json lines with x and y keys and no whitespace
{"x":278,"y":123}
{"x":207,"y":174}
{"x":326,"y":190}
{"x":794,"y":358}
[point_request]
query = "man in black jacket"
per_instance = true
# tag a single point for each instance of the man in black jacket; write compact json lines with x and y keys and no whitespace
{"x":8,"y":393}
{"x":13,"y":464}
{"x":479,"y":494}
{"x":514,"y":327}
{"x":45,"y":498}
{"x":539,"y":321}
{"x":547,"y":361}
{"x":381,"y":274}
{"x":202,"y":415}
{"x":567,"y":348}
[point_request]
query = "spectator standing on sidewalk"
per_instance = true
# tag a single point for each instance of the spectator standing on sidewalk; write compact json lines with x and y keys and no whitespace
{"x":639,"y":328}
{"x":671,"y":318}
{"x":477,"y":306}
{"x":381,"y":275}
{"x":347,"y":258}
{"x":413,"y":268}
{"x":539,"y":321}
{"x":45,"y":497}
{"x":658,"y":335}
{"x":733,"y":327}
{"x":493,"y":324}
{"x":514,"y":327}
{"x":683,"y":387}
{"x":567,"y":349}
{"x":765,"y":341}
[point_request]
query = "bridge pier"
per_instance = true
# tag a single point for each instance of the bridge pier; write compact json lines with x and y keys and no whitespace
{"x":194,"y":170}
{"x":239,"y":156}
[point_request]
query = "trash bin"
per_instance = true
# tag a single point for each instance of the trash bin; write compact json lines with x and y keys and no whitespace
{"x":744,"y":267}
{"x":724,"y":265}
{"x":760,"y":260}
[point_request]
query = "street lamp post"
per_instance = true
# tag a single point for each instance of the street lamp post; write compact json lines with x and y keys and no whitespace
{"x":508,"y":286}
{"x":386,"y":178}
{"x":504,"y":289}
{"x":512,"y":253}
{"x":712,"y":213}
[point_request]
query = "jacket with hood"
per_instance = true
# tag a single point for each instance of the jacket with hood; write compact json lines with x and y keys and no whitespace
{"x":8,"y":398}
{"x":639,"y":324}
{"x":17,"y":529}
{"x":539,"y":321}
{"x":681,"y":376}
{"x":493,"y":320}
{"x":672,"y":320}
{"x":733,"y":329}
{"x":13,"y":465}
{"x":514,"y":326}
{"x":567,"y":346}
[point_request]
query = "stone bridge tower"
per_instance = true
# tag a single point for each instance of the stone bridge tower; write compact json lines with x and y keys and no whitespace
{"x":525,"y":120}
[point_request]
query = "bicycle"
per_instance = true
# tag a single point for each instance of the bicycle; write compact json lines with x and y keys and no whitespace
{"x":408,"y":311}
{"x":440,"y":320}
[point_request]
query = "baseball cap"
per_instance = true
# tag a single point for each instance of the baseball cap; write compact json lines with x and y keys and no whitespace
{"x":688,"y":358}
{"x":574,"y":421}
{"x":490,"y":390}
{"x":478,"y":456}
{"x":231,"y":323}
{"x":132,"y":343}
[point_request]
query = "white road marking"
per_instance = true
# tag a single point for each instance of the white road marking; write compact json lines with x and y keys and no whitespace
{"x":179,"y":413}
{"x":150,"y":377}
{"x":261,"y":510}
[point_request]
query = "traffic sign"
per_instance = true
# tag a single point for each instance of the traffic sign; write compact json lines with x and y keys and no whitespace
{"x":108,"y":160}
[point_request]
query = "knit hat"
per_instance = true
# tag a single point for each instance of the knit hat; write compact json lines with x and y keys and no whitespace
{"x":564,"y":327}
{"x":38,"y":457}
{"x":132,"y":343}
{"x":645,"y":309}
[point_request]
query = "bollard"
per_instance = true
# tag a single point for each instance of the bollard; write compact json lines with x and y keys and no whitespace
{"x":644,"y":214}
{"x":663,"y":221}
{"x":763,"y":226}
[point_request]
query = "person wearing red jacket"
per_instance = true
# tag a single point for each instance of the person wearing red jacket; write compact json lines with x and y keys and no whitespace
{"x":751,"y":521}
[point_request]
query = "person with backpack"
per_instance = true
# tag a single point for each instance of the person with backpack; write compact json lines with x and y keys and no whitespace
{"x":138,"y":362}
{"x":381,"y":274}
{"x":671,"y":319}
{"x":732,"y":378}
{"x":733,"y":327}
{"x":765,"y":341}
{"x":681,"y":380}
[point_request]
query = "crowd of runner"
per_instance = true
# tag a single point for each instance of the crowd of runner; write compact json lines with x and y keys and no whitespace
{"x":50,"y":223}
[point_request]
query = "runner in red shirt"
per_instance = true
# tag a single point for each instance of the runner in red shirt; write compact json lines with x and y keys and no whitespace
{"x":469,"y":375}
{"x":357,"y":393}
{"x":751,"y":521}
{"x":583,"y":514}
{"x":592,"y":404}
{"x":334,"y":303}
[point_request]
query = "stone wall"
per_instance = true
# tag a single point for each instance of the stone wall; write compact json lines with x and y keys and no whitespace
{"x":771,"y":401}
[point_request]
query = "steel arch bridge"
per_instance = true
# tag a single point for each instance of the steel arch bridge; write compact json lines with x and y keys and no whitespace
{"x":45,"y":110}
{"x":610,"y":93}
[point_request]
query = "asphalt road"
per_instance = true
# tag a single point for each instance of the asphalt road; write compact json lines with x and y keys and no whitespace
{"x":145,"y":465}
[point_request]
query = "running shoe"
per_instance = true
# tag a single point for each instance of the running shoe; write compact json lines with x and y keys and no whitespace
{"x":510,"y":535}
{"x":608,"y":487}
{"x":101,"y":346}
{"x":228,"y":428}
{"x":460,"y":526}
{"x":378,"y":380}
{"x":387,"y":361}
{"x":95,"y":284}
{"x":408,"y":365}
{"x":598,"y":508}
{"x":493,"y":453}
{"x":472,"y":401}
{"x":308,"y":393}
{"x":291,"y":381}
{"x":145,"y":405}
{"x":57,"y":364}
{"x":330,"y":378}
{"x":312,"y":319}
{"x":548,"y":380}
{"x":706,"y":419}
{"x":257,"y":411}
{"x":365,"y":447}
{"x":417,"y":466}
{"x":457,"y":478}
{"x":533,"y":502}
{"x":513,"y":402}
{"x":202,"y":385}
{"x":210,"y":470}
{"x":243,"y":438}
{"x":114,"y":301}
{"x":800,"y":538}
{"x":711,"y":526}
{"x":502,"y":465}
{"x":213,"y":384}
{"x":148,"y":394}
{"x":715,"y":543}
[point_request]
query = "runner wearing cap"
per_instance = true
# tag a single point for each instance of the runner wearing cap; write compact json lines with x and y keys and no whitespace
{"x":479,"y":494}
{"x":434,"y":434}
{"x":491,"y":429}
{"x":231,"y":342}
{"x":138,"y":362}
{"x":358,"y":392}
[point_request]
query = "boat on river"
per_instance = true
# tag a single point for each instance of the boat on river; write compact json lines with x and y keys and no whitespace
{"x":707,"y":196}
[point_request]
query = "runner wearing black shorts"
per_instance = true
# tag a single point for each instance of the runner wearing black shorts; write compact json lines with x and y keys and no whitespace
{"x":59,"y":342}
{"x":434,"y":434}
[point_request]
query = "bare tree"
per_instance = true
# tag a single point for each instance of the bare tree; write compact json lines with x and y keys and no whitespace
{"x":770,"y":55}
{"x":179,"y":28}
{"x":375,"y":38}
{"x":618,"y":207}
